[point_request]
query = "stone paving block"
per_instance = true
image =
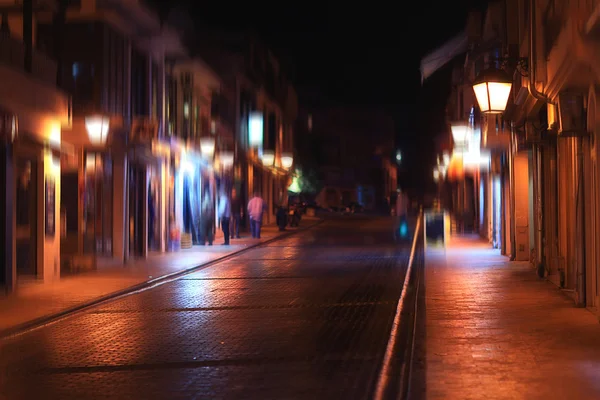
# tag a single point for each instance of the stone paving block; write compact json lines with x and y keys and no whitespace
{"x":491,"y":329}
{"x":302,"y":320}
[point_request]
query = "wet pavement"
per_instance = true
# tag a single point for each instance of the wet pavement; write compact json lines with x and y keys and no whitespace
{"x":35,"y":301}
{"x":307,"y":316}
{"x":489,"y":328}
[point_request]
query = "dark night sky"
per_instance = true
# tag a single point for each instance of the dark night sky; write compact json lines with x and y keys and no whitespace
{"x":362,"y":55}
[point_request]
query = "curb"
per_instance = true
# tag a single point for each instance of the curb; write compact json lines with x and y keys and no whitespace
{"x":51,"y":318}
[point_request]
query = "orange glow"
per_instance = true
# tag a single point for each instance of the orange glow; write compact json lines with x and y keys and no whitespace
{"x":455,"y":169}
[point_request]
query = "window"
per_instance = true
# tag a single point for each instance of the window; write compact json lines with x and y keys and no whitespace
{"x":171,"y":105}
{"x":139,"y":86}
{"x":75,"y":68}
{"x":115,"y":66}
{"x":187,"y":85}
{"x":79,"y":83}
{"x":155,"y":92}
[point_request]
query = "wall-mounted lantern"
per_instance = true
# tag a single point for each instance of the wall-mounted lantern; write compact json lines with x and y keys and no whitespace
{"x":268,"y":158}
{"x":207,"y":146}
{"x":255,"y":129}
{"x":492,"y":90}
{"x":226,"y":158}
{"x":97,"y":127}
{"x":287,"y":160}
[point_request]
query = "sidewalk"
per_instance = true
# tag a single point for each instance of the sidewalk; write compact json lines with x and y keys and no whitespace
{"x":493,"y":330}
{"x":38,"y":301}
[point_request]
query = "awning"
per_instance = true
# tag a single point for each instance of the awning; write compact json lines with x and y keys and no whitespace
{"x":443,"y":55}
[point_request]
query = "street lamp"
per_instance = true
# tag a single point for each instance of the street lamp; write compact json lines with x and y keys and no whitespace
{"x":207,"y":146}
{"x":492,"y":89}
{"x":459,"y":132}
{"x":398,"y":156}
{"x":268,"y":157}
{"x":97,"y":128}
{"x":446,"y":158}
{"x":226,"y":158}
{"x":287,"y":160}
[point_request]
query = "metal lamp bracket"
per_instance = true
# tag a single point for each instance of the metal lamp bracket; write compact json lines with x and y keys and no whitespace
{"x":520,"y":64}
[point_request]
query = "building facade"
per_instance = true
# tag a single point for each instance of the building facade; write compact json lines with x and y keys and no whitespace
{"x":265,"y":108}
{"x":139,"y":133}
{"x":354,"y":149}
{"x":32,"y":113}
{"x":551,"y":200}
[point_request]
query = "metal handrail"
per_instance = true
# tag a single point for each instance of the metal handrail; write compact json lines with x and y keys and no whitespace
{"x":383,"y":380}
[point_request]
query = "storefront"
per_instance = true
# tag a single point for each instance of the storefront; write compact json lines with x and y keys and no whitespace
{"x":147,"y":202}
{"x":91,"y":211}
{"x":30,"y":172}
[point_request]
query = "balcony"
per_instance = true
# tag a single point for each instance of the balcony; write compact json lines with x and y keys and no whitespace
{"x":33,"y":97}
{"x":12,"y":54}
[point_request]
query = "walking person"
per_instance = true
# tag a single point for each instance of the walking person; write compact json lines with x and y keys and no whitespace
{"x":401,"y":225}
{"x":225,"y":215}
{"x":281,"y":215}
{"x":256,"y":208}
{"x":237,"y":213}
{"x":207,"y":219}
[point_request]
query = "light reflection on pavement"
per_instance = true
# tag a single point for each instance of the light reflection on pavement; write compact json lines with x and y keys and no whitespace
{"x":303,"y":317}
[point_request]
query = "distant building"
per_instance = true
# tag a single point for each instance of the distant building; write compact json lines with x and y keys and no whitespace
{"x":261,"y":91}
{"x":354,"y":151}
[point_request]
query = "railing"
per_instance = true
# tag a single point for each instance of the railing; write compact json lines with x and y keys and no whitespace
{"x":12,"y":53}
{"x":403,"y":331}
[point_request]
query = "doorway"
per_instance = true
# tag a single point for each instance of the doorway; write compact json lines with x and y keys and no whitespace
{"x":98,"y":205}
{"x":26,"y":174}
{"x":137,"y":203}
{"x":154,"y":207}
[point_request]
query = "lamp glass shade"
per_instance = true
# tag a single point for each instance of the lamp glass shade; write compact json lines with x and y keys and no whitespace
{"x":97,"y":128}
{"x":287,"y":160}
{"x":446,"y":159}
{"x":268,"y":157}
{"x":255,"y":129}
{"x":492,"y":90}
{"x":207,"y":146}
{"x":226,"y":158}
{"x":459,"y":132}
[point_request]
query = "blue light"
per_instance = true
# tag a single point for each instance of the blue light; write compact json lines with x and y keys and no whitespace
{"x":403,"y":229}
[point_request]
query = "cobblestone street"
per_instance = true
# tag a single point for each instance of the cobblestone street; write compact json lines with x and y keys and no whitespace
{"x":307,"y":316}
